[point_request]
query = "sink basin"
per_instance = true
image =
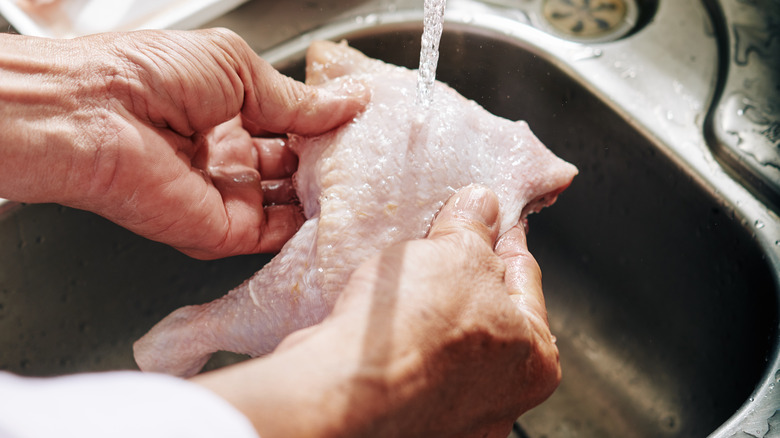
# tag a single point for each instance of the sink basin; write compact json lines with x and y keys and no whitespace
{"x":660,"y":269}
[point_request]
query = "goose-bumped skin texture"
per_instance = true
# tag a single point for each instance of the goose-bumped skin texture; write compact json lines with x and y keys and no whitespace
{"x":372,"y":182}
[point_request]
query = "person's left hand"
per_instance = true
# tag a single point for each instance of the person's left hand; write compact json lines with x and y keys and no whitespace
{"x":152,"y":131}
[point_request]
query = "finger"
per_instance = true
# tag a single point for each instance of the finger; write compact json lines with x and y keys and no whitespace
{"x":228,"y":144}
{"x":243,"y":194}
{"x":281,"y":223}
{"x":277,"y":103}
{"x":279,"y":192}
{"x":523,"y":275}
{"x":473,"y":208}
{"x":276,"y":160}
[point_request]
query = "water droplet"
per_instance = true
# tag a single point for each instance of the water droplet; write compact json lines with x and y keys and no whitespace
{"x":587,"y":53}
{"x":759,"y":224}
{"x":371,"y":19}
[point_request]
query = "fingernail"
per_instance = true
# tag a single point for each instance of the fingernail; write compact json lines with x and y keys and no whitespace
{"x":478,"y":203}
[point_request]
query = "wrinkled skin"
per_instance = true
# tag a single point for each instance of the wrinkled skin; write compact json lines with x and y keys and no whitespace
{"x":373,"y":182}
{"x":436,"y":337}
{"x":456,"y":348}
{"x":124,"y":125}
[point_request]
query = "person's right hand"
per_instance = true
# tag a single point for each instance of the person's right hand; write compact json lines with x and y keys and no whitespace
{"x":440,"y":337}
{"x":152,"y":130}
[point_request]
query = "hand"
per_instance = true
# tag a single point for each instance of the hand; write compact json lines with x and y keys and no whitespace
{"x":440,"y":337}
{"x":152,"y":131}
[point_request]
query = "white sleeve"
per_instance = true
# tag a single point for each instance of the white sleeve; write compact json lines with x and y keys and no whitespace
{"x":121,"y":404}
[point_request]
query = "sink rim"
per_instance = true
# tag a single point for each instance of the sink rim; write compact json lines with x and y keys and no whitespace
{"x":696,"y":158}
{"x":752,"y":415}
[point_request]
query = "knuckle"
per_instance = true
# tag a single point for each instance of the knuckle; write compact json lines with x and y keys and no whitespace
{"x":226,"y":37}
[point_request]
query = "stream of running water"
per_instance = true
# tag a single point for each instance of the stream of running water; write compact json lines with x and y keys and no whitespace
{"x":433,"y":24}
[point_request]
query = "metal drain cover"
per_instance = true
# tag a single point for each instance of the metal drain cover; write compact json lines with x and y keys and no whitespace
{"x":590,"y":20}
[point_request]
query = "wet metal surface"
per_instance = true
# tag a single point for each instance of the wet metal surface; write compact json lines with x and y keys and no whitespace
{"x":661,"y":268}
{"x":746,"y":123}
{"x":664,"y":310}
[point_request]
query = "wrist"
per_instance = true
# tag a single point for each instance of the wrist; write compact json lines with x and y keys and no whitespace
{"x":318,"y":387}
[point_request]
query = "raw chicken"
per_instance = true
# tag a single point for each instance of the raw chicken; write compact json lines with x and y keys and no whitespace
{"x":34,"y":5}
{"x":377,"y":180}
{"x":35,"y":2}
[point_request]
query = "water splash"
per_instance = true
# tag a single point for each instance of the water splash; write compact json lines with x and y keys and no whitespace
{"x":433,"y":23}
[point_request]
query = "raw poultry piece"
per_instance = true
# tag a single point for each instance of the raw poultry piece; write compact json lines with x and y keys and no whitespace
{"x":35,"y":2}
{"x":377,"y":180}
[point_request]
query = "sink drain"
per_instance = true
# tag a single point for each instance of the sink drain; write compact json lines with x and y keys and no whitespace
{"x":591,"y":20}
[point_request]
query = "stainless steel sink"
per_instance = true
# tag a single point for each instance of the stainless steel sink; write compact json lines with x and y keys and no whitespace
{"x":661,"y":265}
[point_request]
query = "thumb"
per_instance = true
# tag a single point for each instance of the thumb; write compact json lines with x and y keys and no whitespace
{"x":279,"y":104}
{"x":474,"y":208}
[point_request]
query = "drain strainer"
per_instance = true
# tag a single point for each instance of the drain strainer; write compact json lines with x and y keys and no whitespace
{"x":590,"y":20}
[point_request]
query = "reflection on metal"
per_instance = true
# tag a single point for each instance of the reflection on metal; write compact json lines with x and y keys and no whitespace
{"x":661,"y":270}
{"x":746,"y":124}
{"x":6,"y":207}
{"x":585,"y":21}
